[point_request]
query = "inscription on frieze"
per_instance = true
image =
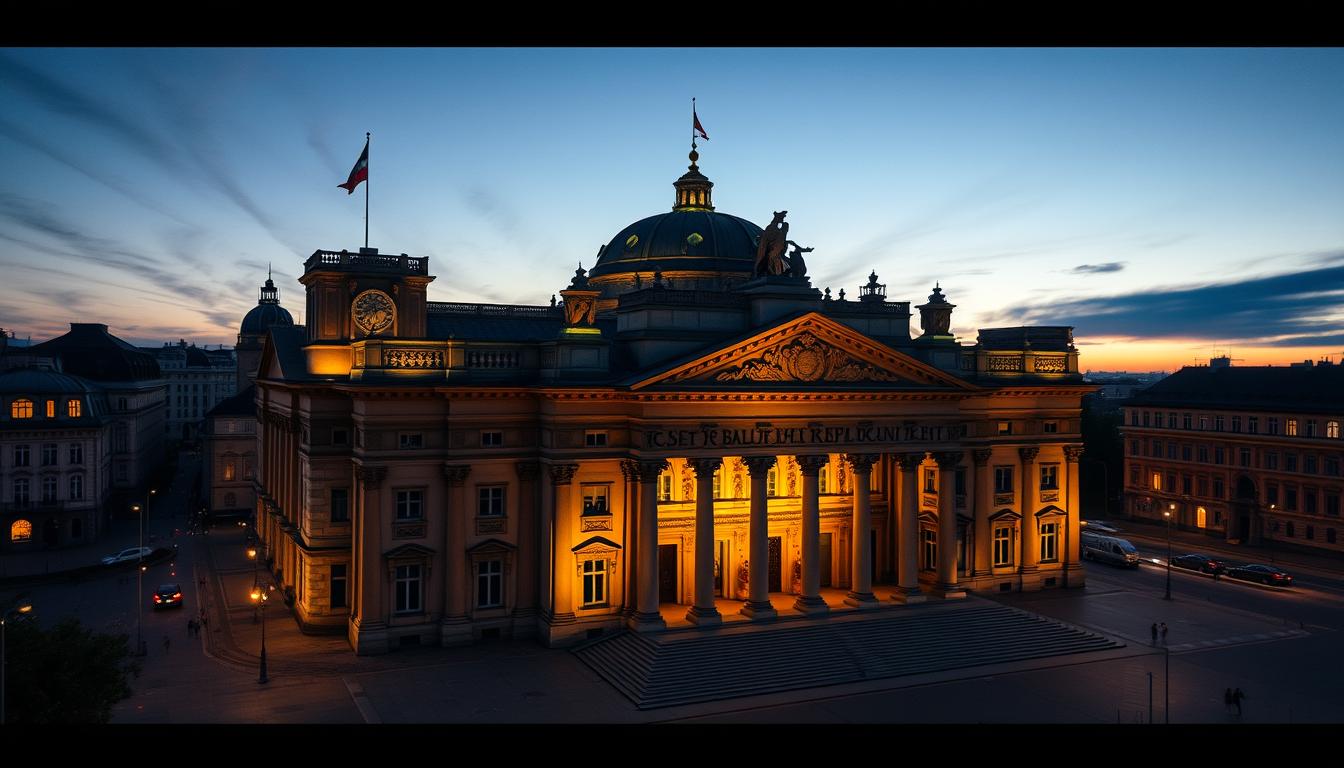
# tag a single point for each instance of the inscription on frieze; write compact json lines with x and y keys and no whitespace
{"x":795,"y":437}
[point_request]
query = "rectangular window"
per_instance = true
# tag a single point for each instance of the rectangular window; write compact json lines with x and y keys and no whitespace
{"x":1272,"y":494}
{"x":771,"y":482}
{"x":20,"y":455}
{"x":1006,"y":427}
{"x":1003,"y":479}
{"x":1157,"y":481}
{"x":492,"y":439}
{"x":1218,"y":488}
{"x":49,"y":455}
{"x":1273,"y":424}
{"x":48,"y":489}
{"x":1203,"y":423}
{"x":1290,"y":498}
{"x":1187,"y":452}
{"x":1203,"y":451}
{"x":1332,"y":429}
{"x":1171,"y":481}
{"x":338,"y":581}
{"x":20,"y":491}
{"x":1171,"y":450}
{"x":410,"y":505}
{"x":665,"y":486}
{"x":1291,"y":429}
{"x":718,"y":484}
{"x":594,"y":582}
{"x":1187,"y":421}
{"x":1271,"y":459}
{"x":1245,"y":457}
{"x":1201,"y":486}
{"x":1309,"y":496}
{"x":409,"y":589}
{"x":1003,"y":545}
{"x":490,"y":584}
{"x":1219,"y":455}
{"x":76,"y":487}
{"x":1311,"y":427}
{"x":1290,"y":462}
{"x":51,"y":409}
{"x":1147,"y":418}
{"x":1157,"y":419}
{"x":930,"y":481}
{"x":929,"y":541}
{"x":1134,"y":475}
{"x":1049,"y":533}
{"x":595,"y":439}
{"x":1157,"y":449}
{"x":1332,"y":503}
{"x":959,"y":480}
{"x":76,"y":453}
{"x":1171,"y":420}
{"x":1236,"y":423}
{"x":410,"y":440}
{"x":1135,"y":448}
{"x":1049,"y":477}
{"x":490,"y":501}
{"x":1050,"y":427}
{"x":822,"y":482}
{"x":72,"y":409}
{"x":1253,"y":424}
{"x":1186,"y":484}
{"x":1133,"y":418}
{"x":595,"y":500}
{"x":1218,"y":423}
{"x":230,"y":470}
{"x":340,"y":505}
{"x":1331,"y":466}
{"x":1309,"y":463}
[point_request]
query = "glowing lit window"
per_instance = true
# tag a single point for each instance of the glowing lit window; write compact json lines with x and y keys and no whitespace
{"x":51,"y":409}
{"x":72,"y":409}
{"x":695,"y":238}
{"x":595,"y":500}
{"x":665,"y":486}
{"x":1003,"y":549}
{"x":632,"y":241}
{"x":718,"y":483}
{"x":21,"y":530}
{"x":822,"y":481}
{"x":772,"y":482}
{"x":594,"y":582}
{"x":230,"y":470}
{"x":1157,"y":481}
{"x":21,"y":408}
{"x":1332,"y":429}
{"x":1291,"y":429}
{"x":1049,"y":535}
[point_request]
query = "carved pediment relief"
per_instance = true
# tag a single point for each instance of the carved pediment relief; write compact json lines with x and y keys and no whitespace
{"x":811,"y":349}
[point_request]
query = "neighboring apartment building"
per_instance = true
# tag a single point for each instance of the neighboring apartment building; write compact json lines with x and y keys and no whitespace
{"x":1245,"y":453}
{"x":198,"y":380}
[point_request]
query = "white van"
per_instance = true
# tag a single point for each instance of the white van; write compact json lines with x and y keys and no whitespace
{"x":1109,"y":549}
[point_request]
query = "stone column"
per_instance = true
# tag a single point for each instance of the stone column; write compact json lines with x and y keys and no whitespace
{"x":1073,"y":568}
{"x":704,"y":611}
{"x":455,"y":544}
{"x":529,"y":551}
{"x":630,"y":499}
{"x":562,"y":512}
{"x":907,"y":576}
{"x":1031,"y":481}
{"x":647,"y":618}
{"x":758,"y":605}
{"x":810,"y":601}
{"x":947,"y":524}
{"x":982,"y":505}
{"x":368,"y":622}
{"x":861,"y":562}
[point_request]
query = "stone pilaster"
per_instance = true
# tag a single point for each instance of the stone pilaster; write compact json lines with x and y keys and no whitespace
{"x":1031,"y":481}
{"x":948,"y":583}
{"x":647,"y":618}
{"x":454,"y":627}
{"x":1073,"y":567}
{"x":758,"y":605}
{"x":562,"y":515}
{"x":982,"y":506}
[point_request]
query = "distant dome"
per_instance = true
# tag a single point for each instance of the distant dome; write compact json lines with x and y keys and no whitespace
{"x":267,"y":313}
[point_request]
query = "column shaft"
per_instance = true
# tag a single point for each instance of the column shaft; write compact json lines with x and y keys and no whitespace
{"x":1031,"y":481}
{"x":704,"y":611}
{"x":982,"y":506}
{"x":907,"y":580}
{"x":810,"y":601}
{"x":861,"y":561}
{"x":647,"y":617}
{"x":758,"y":559}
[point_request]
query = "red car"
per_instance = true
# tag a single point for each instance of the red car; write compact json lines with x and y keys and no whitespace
{"x":168,"y":596}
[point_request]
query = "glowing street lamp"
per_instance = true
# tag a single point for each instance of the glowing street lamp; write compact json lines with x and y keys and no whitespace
{"x":19,"y":607}
{"x":259,"y":598}
{"x":1169,"y":513}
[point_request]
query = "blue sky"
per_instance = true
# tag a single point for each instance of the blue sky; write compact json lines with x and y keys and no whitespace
{"x":1167,"y":203}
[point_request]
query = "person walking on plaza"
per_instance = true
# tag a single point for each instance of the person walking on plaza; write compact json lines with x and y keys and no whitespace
{"x":1237,"y":696}
{"x":165,"y":644}
{"x":1154,"y":633}
{"x":1164,"y":633}
{"x":191,"y":627}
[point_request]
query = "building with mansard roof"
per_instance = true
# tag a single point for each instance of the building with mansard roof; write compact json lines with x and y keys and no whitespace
{"x":693,"y":435}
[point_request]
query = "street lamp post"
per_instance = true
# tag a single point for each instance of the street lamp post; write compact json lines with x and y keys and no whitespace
{"x":1170,"y":511}
{"x":259,"y":597}
{"x":18,"y":607}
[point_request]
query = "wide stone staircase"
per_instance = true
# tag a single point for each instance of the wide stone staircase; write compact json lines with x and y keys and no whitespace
{"x":693,"y":665}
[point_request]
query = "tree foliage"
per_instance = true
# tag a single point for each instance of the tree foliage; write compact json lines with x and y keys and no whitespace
{"x":67,"y":674}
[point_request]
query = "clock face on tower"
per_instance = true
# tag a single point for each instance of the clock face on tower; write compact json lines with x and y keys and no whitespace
{"x":373,"y":312}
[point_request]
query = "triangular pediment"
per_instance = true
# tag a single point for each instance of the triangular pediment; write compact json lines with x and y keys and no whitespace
{"x":811,"y":350}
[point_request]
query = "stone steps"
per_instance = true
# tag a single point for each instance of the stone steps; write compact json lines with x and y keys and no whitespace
{"x":687,"y":666}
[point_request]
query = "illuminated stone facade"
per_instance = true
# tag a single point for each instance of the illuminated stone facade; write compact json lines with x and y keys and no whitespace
{"x":1248,"y":454}
{"x":434,"y":473}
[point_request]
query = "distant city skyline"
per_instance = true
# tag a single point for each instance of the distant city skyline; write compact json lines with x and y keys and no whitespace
{"x":1171,"y":204}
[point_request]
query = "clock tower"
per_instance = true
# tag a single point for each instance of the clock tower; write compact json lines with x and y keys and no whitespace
{"x":365,"y":294}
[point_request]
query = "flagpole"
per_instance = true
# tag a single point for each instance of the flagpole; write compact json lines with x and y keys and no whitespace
{"x":692,"y":122}
{"x":367,"y":139}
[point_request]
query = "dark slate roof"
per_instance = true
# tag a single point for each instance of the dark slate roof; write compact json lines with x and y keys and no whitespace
{"x":1319,"y":389}
{"x":241,"y":404}
{"x":288,"y":341}
{"x":502,"y":323}
{"x":88,"y":350}
{"x":40,"y":381}
{"x":728,"y":244}
{"x":1045,"y":338}
{"x":263,"y":316}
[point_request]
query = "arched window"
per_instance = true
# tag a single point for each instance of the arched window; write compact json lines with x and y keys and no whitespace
{"x":72,"y":409}
{"x":21,"y":530}
{"x":21,"y":408}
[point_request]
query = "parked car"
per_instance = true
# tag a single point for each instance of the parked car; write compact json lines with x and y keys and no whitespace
{"x":168,"y":596}
{"x":1265,"y":574}
{"x":1099,"y":526}
{"x":1197,"y":562}
{"x":128,"y":555}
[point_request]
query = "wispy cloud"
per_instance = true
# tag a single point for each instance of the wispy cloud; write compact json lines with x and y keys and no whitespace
{"x":1092,"y":269}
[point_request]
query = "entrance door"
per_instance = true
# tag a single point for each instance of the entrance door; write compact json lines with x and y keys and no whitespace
{"x":824,"y":561}
{"x":720,"y":557}
{"x":776,"y":553}
{"x":667,"y":573}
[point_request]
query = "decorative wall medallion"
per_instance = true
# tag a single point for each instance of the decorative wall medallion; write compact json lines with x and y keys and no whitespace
{"x":373,"y":312}
{"x":806,"y":358}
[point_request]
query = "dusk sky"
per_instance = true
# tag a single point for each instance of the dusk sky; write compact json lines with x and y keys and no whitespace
{"x":1169,"y":204}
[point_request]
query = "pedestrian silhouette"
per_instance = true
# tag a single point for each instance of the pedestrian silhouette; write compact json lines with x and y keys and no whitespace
{"x":191,"y":625}
{"x":1227,"y":700}
{"x":165,"y":644}
{"x":1237,"y":696}
{"x":1154,"y":633}
{"x":1164,"y":633}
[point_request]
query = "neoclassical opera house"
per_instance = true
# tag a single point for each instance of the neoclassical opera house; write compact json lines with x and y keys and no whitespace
{"x":693,"y":434}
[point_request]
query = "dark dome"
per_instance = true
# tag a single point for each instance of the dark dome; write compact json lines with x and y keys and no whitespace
{"x":726,"y":243}
{"x":262,"y":317}
{"x":88,"y":350}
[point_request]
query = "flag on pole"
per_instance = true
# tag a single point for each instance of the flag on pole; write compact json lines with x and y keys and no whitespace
{"x":700,"y":129}
{"x":359,"y":173}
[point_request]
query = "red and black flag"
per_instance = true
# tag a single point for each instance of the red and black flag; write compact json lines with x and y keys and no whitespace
{"x":700,"y":129}
{"x":359,"y":173}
